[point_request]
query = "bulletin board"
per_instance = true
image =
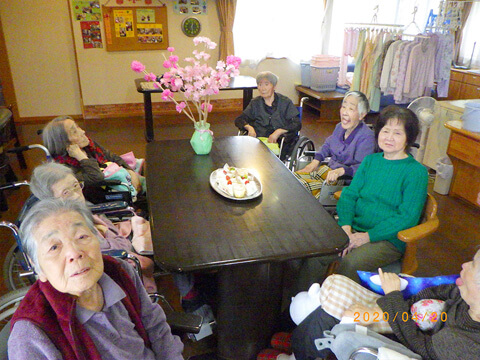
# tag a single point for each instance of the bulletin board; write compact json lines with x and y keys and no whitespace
{"x":135,"y":28}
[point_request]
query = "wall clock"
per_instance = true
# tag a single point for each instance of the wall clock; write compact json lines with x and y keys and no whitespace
{"x":191,"y":26}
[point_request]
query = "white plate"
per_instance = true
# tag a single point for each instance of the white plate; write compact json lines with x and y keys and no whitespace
{"x":214,"y":185}
{"x":376,"y":280}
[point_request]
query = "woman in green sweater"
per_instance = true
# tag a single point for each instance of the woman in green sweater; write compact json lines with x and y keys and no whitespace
{"x":386,"y":195}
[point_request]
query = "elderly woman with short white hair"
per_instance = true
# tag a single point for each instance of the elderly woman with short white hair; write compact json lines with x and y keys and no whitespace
{"x":271,"y":114}
{"x":83,"y":305}
{"x":52,"y":180}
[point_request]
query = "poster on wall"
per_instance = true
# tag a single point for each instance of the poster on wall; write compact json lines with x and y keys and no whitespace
{"x":123,"y":23}
{"x":190,"y":7}
{"x":145,"y":16}
{"x":86,"y":10}
{"x":91,"y":35}
{"x":150,"y":33}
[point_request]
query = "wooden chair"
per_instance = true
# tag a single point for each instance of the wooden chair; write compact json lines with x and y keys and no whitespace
{"x":428,"y":225}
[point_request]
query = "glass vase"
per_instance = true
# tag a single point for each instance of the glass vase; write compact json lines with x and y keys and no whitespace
{"x":202,"y":139}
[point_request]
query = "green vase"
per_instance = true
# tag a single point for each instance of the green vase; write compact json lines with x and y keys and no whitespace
{"x":202,"y":139}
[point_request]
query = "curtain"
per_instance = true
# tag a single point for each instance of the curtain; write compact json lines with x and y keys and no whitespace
{"x":467,"y":6}
{"x":226,"y":10}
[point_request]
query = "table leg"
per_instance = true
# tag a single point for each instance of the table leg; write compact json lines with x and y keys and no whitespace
{"x":247,"y":97}
{"x":248,"y":310}
{"x":147,"y":105}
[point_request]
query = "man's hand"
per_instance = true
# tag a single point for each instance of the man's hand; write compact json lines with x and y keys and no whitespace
{"x":251,"y":130}
{"x":356,"y":240}
{"x":273,"y":138}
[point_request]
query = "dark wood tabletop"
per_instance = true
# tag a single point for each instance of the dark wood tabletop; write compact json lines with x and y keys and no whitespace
{"x":196,"y":228}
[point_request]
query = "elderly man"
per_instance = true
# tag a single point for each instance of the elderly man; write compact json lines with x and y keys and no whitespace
{"x":84,"y":305}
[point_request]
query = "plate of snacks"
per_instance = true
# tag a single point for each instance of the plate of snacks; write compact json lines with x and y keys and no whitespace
{"x":235,"y":183}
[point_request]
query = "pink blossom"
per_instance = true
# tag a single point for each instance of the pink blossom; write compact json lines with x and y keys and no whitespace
{"x":173,"y":58}
{"x":234,"y":60}
{"x":181,"y":106}
{"x":209,"y":107}
{"x":170,"y":49}
{"x":167,"y":94}
{"x":150,"y":77}
{"x":137,"y":66}
{"x":167,"y":64}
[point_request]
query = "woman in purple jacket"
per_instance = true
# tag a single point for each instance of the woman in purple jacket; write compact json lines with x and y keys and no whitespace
{"x":350,"y":142}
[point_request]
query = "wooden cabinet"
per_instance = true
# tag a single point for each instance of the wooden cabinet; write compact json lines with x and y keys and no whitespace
{"x":464,"y":84}
{"x":464,"y":151}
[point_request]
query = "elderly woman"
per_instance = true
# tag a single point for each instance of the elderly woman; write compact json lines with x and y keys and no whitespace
{"x":83,"y":305}
{"x":456,"y":335}
{"x":386,"y":195}
{"x":69,"y":145}
{"x":271,"y":115}
{"x":350,"y":142}
{"x":52,"y":180}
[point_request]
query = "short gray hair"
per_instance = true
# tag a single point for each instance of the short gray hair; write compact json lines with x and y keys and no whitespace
{"x":45,"y":176}
{"x":363,"y":106}
{"x":42,"y":210}
{"x":55,"y":137}
{"x":271,"y":77}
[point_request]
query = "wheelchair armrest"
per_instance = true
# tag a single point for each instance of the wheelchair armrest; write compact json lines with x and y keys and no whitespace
{"x":107,"y":207}
{"x":184,"y":322}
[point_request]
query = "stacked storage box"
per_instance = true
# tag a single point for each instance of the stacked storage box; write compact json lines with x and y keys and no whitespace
{"x":324,"y":72}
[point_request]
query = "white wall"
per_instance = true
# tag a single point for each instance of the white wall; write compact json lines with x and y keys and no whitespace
{"x":41,"y":55}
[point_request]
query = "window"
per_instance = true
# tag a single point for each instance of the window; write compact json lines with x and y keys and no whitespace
{"x":277,"y":28}
{"x":471,"y":33}
{"x":299,"y":29}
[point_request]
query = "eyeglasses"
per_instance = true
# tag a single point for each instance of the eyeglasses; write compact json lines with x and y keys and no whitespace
{"x":77,"y":187}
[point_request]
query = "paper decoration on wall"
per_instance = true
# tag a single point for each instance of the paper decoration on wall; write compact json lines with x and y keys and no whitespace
{"x":91,"y":35}
{"x":86,"y":10}
{"x":190,"y":7}
{"x":123,"y":23}
{"x":150,"y":33}
{"x":145,"y":16}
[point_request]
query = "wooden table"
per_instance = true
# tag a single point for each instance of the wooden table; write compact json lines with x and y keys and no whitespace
{"x":464,"y":151}
{"x":327,"y":103}
{"x":245,"y":83}
{"x":194,"y":228}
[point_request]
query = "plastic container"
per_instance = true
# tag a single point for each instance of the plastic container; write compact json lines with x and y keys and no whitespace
{"x":325,"y":61}
{"x":306,"y":73}
{"x":471,"y":116}
{"x":444,"y":176}
{"x":324,"y":78}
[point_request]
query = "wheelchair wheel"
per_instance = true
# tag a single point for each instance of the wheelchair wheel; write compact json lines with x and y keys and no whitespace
{"x":9,"y":303}
{"x":299,"y":159}
{"x":12,"y":267}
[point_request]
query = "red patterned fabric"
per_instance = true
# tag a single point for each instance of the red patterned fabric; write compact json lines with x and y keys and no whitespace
{"x":91,"y":149}
{"x":268,"y":354}
{"x":282,"y":341}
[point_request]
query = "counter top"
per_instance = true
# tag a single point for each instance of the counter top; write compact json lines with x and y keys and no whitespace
{"x":456,"y":125}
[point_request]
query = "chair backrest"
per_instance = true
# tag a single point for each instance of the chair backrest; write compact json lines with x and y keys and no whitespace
{"x":428,"y":224}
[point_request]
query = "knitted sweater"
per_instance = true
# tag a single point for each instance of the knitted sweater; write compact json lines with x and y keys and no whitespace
{"x":456,"y":335}
{"x":385,"y":197}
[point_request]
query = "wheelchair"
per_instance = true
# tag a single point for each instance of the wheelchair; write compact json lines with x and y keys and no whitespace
{"x":297,"y":157}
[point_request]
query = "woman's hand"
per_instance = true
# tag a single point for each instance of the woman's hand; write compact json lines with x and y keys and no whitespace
{"x":356,"y":240}
{"x":251,"y":130}
{"x":364,"y":315}
{"x":310,"y":167}
{"x":390,"y":281}
{"x":135,"y":180}
{"x":76,"y":152}
{"x":273,"y":138}
{"x":333,"y":175}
